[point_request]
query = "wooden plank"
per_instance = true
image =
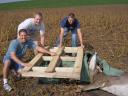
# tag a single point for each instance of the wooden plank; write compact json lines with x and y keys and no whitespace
{"x":54,"y":61}
{"x":36,"y":60}
{"x":57,"y":69}
{"x":57,"y":72}
{"x":63,"y":58}
{"x":66,"y":49}
{"x":95,"y":85}
{"x":70,"y":49}
{"x":54,"y":49}
{"x":51,"y":75}
{"x":78,"y":62}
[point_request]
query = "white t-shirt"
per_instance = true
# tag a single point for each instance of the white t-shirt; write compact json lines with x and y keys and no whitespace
{"x":31,"y":28}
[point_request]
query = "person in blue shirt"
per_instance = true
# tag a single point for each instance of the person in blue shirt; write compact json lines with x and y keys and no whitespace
{"x":70,"y":23}
{"x":16,"y":50}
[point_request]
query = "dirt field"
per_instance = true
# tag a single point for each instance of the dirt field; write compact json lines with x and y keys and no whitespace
{"x":104,"y":29}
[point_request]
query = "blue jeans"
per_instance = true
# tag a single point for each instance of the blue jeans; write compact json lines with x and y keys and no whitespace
{"x":74,"y":37}
{"x":13,"y":64}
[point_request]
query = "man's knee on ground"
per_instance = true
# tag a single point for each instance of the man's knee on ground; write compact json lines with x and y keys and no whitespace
{"x":7,"y":63}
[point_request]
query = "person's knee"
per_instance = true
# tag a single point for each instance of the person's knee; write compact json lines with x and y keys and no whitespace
{"x":74,"y":40}
{"x":7,"y":64}
{"x":74,"y":37}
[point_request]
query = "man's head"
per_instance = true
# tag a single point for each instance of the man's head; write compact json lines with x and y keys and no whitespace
{"x":71,"y":18}
{"x":23,"y":35}
{"x":38,"y":18}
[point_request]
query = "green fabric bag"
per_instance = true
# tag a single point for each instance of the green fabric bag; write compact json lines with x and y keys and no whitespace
{"x":107,"y":69}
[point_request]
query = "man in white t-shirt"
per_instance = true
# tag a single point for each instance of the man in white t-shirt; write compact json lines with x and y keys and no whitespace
{"x":33,"y":27}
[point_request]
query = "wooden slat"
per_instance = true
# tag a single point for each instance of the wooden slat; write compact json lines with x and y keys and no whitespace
{"x":36,"y":60}
{"x":57,"y":69}
{"x":70,"y":49}
{"x":78,"y":62}
{"x":95,"y":85}
{"x":63,"y":58}
{"x":51,"y":75}
{"x":57,"y":72}
{"x":54,"y":49}
{"x":54,"y":61}
{"x":66,"y":49}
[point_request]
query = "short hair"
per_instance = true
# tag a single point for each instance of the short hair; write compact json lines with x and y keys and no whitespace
{"x":22,"y":30}
{"x":39,"y":14}
{"x":72,"y":15}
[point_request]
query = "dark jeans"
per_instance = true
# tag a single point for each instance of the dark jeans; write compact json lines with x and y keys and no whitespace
{"x":74,"y":37}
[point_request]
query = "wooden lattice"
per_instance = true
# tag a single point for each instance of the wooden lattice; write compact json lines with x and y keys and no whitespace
{"x":53,"y":71}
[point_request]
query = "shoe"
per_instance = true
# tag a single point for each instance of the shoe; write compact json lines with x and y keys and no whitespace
{"x":7,"y":87}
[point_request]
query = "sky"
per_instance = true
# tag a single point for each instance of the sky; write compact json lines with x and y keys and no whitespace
{"x":9,"y":1}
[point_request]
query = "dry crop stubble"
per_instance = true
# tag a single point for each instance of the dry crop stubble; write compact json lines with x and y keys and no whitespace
{"x":103,"y":28}
{"x":100,"y":27}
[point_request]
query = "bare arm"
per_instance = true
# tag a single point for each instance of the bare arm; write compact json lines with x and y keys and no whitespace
{"x":42,"y":40}
{"x":42,"y":34}
{"x":80,"y":37}
{"x":17,"y":60}
{"x":42,"y":50}
{"x":61,"y":36}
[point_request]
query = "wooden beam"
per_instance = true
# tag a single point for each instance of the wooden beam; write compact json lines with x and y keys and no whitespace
{"x":57,"y":69}
{"x":51,"y":75}
{"x":63,"y":58}
{"x":78,"y":62}
{"x":54,"y":61}
{"x":36,"y":60}
{"x":54,"y":49}
{"x":70,"y":49}
{"x":66,"y":49}
{"x":59,"y":74}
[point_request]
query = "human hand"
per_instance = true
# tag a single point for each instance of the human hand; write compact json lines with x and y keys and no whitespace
{"x":82,"y":46}
{"x":60,"y":45}
{"x":40,"y":44}
{"x":27,"y":65}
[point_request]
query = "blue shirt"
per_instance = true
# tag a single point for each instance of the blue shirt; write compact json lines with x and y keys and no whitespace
{"x":65,"y":24}
{"x":19,"y":48}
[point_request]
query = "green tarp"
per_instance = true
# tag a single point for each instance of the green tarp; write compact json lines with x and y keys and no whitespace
{"x":107,"y":69}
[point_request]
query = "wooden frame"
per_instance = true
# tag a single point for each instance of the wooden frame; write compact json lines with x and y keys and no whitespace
{"x":36,"y":60}
{"x":63,"y":58}
{"x":53,"y":71}
{"x":55,"y":60}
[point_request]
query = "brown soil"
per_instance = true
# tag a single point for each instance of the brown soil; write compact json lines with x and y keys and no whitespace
{"x":104,"y":29}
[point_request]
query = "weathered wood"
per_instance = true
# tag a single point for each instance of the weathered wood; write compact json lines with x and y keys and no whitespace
{"x":57,"y":74}
{"x":71,"y":49}
{"x":78,"y":62}
{"x":95,"y":85}
{"x":66,"y":49}
{"x":57,"y":69}
{"x":63,"y":58}
{"x":36,"y":60}
{"x":54,"y":61}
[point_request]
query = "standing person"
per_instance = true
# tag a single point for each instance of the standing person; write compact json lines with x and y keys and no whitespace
{"x":70,"y":23}
{"x":17,"y":49}
{"x":33,"y":27}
